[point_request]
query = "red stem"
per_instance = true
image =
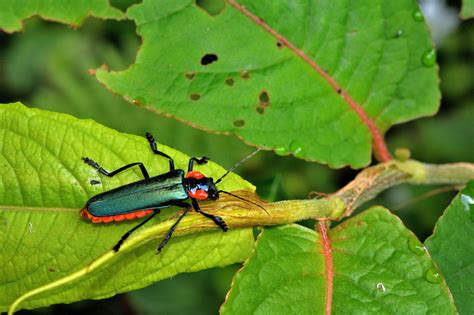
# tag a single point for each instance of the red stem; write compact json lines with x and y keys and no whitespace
{"x":380,"y":148}
{"x":327,"y":252}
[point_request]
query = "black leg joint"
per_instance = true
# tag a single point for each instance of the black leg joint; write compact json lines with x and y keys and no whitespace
{"x":200,"y":161}
{"x":155,"y":150}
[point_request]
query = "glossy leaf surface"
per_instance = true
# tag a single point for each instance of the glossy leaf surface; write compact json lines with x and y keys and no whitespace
{"x":452,"y":248}
{"x":43,"y":185}
{"x":299,"y":77}
{"x":379,"y":267}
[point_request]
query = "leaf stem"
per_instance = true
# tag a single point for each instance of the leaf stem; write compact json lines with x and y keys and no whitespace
{"x":240,"y":214}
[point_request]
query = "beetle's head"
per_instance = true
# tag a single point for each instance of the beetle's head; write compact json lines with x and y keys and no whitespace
{"x":200,"y":187}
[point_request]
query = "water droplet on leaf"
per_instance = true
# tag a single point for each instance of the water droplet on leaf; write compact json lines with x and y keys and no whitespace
{"x":429,"y":57}
{"x":381,"y":287}
{"x":282,"y":151}
{"x":433,"y":275}
{"x":296,"y":148}
{"x":468,"y":203}
{"x":417,"y":15}
{"x":415,"y":246}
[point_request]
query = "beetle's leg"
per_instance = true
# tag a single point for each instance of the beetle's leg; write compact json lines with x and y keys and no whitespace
{"x":171,"y":230}
{"x":123,"y":168}
{"x":216,"y":219}
{"x":153,"y":147}
{"x":200,"y":161}
{"x":126,"y":235}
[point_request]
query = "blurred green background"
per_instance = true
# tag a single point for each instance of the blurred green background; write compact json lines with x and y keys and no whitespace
{"x":45,"y":66}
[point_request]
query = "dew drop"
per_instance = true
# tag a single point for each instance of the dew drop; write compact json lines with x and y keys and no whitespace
{"x":429,"y":57}
{"x":433,"y":275}
{"x":381,"y":287}
{"x":195,"y":97}
{"x":398,"y":34}
{"x":418,"y":16}
{"x":239,"y":123}
{"x":295,"y":148}
{"x":282,"y":151}
{"x":229,"y":81}
{"x":468,"y":203}
{"x":415,"y":246}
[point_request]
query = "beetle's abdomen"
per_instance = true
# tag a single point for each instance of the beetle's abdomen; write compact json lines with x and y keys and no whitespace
{"x":137,"y":199}
{"x":117,"y":218}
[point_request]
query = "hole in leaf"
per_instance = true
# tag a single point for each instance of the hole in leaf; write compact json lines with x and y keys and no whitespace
{"x":264,"y":98}
{"x":208,"y":59}
{"x":195,"y":97}
{"x":212,"y":7}
{"x":190,"y":75}
{"x":229,"y":81}
{"x":260,"y":109}
{"x":245,"y":75}
{"x":239,"y":123}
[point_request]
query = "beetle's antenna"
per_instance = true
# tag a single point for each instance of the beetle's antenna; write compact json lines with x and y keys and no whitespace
{"x":230,"y":194}
{"x":237,"y":164}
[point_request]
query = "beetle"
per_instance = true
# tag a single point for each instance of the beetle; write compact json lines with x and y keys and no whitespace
{"x":149,"y":195}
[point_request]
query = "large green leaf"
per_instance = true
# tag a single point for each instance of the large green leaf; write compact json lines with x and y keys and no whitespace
{"x":270,"y":88}
{"x":379,"y":267}
{"x":44,"y":183}
{"x":452,"y":248}
{"x":12,"y":13}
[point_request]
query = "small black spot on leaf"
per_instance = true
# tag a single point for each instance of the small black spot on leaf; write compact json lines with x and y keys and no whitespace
{"x":239,"y":123}
{"x":212,"y":7}
{"x":229,"y":81}
{"x":208,"y":59}
{"x":279,"y":45}
{"x":195,"y":97}
{"x":264,"y":98}
{"x":94,"y":182}
{"x":260,"y":109}
{"x":339,"y":91}
{"x":245,"y":75}
{"x":190,"y":75}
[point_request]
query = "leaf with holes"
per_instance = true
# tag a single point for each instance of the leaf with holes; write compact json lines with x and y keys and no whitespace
{"x":368,"y":264}
{"x":44,"y":183}
{"x":322,"y":80}
{"x":453,"y":250}
{"x":12,"y":13}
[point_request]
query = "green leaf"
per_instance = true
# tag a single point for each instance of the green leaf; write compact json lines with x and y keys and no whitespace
{"x":379,"y":267}
{"x":467,"y":10}
{"x":44,"y":183}
{"x":452,"y":248}
{"x":379,"y":53}
{"x":12,"y":13}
